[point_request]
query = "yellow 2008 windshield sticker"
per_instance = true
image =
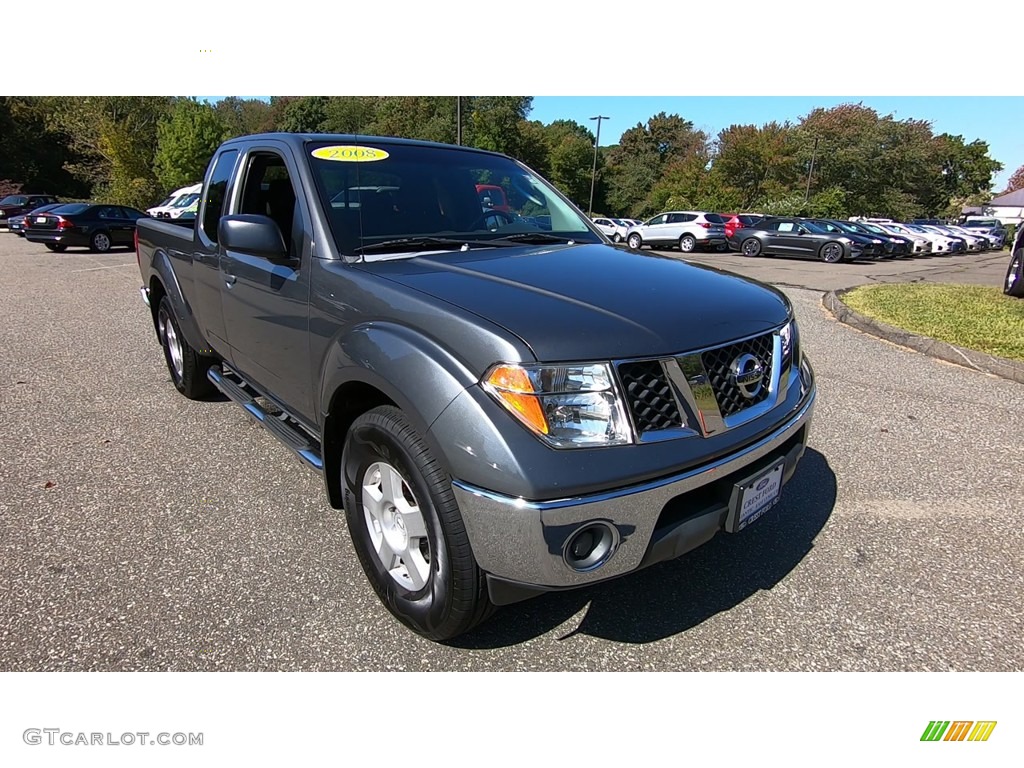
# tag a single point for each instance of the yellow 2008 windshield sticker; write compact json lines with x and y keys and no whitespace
{"x":350,"y":154}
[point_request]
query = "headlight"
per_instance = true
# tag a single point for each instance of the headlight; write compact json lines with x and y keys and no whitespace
{"x":786,"y":336}
{"x":876,"y":241}
{"x":567,"y":406}
{"x":845,"y":240}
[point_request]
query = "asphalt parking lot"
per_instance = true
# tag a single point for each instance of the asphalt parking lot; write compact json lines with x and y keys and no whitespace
{"x":142,"y":531}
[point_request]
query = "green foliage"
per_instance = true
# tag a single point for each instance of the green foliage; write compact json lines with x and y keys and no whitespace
{"x":186,"y":140}
{"x":133,"y":149}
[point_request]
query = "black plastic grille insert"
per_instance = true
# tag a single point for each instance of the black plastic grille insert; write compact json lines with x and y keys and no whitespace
{"x":649,"y":396}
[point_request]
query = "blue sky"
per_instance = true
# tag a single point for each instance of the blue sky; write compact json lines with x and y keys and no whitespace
{"x":996,"y":120}
{"x":993,"y":119}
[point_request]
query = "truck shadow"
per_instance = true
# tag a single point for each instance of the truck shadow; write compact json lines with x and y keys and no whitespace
{"x":672,"y":597}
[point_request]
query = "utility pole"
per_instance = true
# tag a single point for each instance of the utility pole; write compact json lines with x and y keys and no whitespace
{"x":458,"y":120}
{"x":593,"y":172}
{"x":814,"y":152}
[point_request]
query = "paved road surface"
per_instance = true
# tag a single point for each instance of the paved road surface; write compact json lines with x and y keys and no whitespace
{"x":139,"y":530}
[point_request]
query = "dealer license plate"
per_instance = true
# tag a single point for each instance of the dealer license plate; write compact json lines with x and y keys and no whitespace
{"x":756,"y":496}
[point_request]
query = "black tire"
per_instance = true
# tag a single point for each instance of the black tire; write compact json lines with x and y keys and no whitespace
{"x":616,"y":238}
{"x":188,"y":372}
{"x":687,"y":243}
{"x":56,"y":247}
{"x":634,"y":241}
{"x":1013,"y":285}
{"x":100,"y":242}
{"x":751,"y":247}
{"x":454,"y":597}
{"x":832,"y":253}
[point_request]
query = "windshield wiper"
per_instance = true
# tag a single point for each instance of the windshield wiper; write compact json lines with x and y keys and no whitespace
{"x":535,"y":237}
{"x":413,"y":243}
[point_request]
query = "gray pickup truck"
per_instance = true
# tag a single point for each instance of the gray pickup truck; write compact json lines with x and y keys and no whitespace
{"x":503,"y":402}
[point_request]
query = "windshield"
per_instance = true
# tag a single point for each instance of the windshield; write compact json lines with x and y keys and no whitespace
{"x":452,"y":196}
{"x":185,"y":200}
{"x":14,"y":200}
{"x":986,"y":223}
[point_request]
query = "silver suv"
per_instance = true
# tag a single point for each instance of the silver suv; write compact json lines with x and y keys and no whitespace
{"x":686,"y":229}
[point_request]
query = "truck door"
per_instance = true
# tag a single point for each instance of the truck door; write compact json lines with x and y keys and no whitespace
{"x":266,"y":303}
{"x":206,"y":258}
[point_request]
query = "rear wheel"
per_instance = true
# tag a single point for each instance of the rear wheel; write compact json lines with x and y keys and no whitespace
{"x":407,"y":529}
{"x":1014,"y":283}
{"x":187,"y":367}
{"x":687,"y":243}
{"x":831,"y":253}
{"x":751,"y":247}
{"x":100,"y":242}
{"x":635,"y":241}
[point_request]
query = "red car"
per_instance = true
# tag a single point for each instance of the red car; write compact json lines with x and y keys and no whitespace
{"x":493,"y":197}
{"x":734,"y":221}
{"x":16,"y":205}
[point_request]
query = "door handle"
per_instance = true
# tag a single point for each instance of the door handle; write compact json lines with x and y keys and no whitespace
{"x":230,"y":280}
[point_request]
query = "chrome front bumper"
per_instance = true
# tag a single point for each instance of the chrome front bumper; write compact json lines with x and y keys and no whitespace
{"x":521,"y":542}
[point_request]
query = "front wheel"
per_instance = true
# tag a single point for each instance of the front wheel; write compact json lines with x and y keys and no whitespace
{"x":831,"y":253}
{"x":634,"y":241}
{"x":1014,"y":283}
{"x":407,"y":530}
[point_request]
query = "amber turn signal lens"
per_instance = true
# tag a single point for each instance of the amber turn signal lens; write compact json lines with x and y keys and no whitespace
{"x":512,"y":384}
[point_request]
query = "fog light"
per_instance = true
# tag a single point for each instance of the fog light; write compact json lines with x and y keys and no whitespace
{"x":590,"y":547}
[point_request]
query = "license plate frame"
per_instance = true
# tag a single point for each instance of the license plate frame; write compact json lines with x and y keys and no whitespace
{"x":745,"y":506}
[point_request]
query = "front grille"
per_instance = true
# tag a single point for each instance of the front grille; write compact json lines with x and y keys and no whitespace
{"x":649,"y":396}
{"x":718,"y":362}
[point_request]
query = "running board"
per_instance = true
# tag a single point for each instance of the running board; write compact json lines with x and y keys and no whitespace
{"x":281,"y":426}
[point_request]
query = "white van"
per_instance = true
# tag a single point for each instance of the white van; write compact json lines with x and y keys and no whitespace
{"x":177,"y":203}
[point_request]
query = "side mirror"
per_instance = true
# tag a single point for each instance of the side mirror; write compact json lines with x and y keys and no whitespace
{"x":253,"y":234}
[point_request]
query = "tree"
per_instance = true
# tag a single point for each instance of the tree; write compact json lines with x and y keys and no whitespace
{"x":243,"y":117}
{"x":305,"y":114}
{"x":1016,"y":181}
{"x":494,"y":122}
{"x":186,"y":140}
{"x":114,"y":141}
{"x":757,"y":163}
{"x":33,"y":154}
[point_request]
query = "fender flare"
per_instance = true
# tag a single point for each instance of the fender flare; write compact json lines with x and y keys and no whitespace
{"x":163,"y":271}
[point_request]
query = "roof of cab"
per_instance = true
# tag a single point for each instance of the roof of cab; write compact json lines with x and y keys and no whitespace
{"x":301,"y":139}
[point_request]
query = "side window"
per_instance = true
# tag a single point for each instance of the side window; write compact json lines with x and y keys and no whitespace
{"x":658,"y":220}
{"x":216,"y":191}
{"x":267,"y":190}
{"x":787,"y":226}
{"x":676,"y":218}
{"x":108,"y":212}
{"x":769,"y":226}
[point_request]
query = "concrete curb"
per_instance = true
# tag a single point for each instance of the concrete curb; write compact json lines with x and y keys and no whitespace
{"x":968,"y":358}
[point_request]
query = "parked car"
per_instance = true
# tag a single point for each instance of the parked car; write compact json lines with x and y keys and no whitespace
{"x":615,"y":231}
{"x":172,"y":207}
{"x":991,"y":228}
{"x":97,"y":227}
{"x":800,"y":238}
{"x":687,"y":230}
{"x":920,"y":245}
{"x":957,"y":244}
{"x":493,"y":197}
{"x":734,"y":221}
{"x":499,"y":412}
{"x":871,"y":247}
{"x":1013,"y":285}
{"x":942,"y":245}
{"x":976,"y":241}
{"x":16,"y":224}
{"x":16,"y":205}
{"x":897,"y":246}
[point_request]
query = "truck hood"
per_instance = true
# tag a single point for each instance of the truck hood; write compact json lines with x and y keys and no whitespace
{"x":595,"y":302}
